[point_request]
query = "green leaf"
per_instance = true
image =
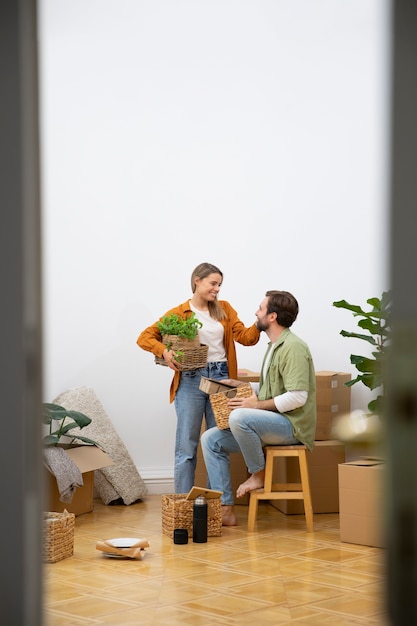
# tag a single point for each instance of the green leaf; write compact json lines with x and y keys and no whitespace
{"x":377,"y":405}
{"x":51,"y":440}
{"x":375,"y":303}
{"x":53,"y":412}
{"x":371,"y":340}
{"x":366,"y":379}
{"x":365,"y":364}
{"x":79,"y":418}
{"x":373,"y":327}
{"x":342,"y":304}
{"x":82,"y":438}
{"x":386,"y":300}
{"x":67,"y":427}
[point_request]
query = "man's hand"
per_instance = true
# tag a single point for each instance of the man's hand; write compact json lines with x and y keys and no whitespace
{"x":233,"y":382}
{"x":244,"y":403}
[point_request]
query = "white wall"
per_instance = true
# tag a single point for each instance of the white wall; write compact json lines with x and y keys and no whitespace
{"x":251,"y":134}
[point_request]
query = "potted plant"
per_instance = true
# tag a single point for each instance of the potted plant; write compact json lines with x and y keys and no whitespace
{"x":375,"y":329}
{"x":85,"y":456}
{"x":184,"y":327}
{"x":56,"y":418}
{"x":181,"y":335}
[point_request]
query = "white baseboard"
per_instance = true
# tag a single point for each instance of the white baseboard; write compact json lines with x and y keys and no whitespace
{"x":158,"y":480}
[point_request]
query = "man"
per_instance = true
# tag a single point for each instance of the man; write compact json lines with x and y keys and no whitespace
{"x":280,"y":411}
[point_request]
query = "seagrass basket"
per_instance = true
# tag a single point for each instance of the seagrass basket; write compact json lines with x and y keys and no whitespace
{"x":58,"y":536}
{"x":177,"y":512}
{"x":193,"y":355}
{"x":219,"y":401}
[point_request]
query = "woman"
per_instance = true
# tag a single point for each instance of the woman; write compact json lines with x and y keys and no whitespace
{"x":221,"y":327}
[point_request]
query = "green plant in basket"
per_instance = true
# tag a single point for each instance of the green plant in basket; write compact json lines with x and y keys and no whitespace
{"x":61,"y":422}
{"x":186,"y":327}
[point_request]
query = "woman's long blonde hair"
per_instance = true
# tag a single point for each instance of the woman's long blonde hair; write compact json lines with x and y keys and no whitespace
{"x":202,"y":271}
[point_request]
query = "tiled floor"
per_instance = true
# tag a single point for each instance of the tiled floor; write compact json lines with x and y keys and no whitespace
{"x":277,"y":575}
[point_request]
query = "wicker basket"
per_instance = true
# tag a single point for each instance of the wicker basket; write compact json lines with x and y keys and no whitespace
{"x":219,"y":401}
{"x":180,"y":343}
{"x":194,"y":354}
{"x":58,"y":536}
{"x":177,"y":512}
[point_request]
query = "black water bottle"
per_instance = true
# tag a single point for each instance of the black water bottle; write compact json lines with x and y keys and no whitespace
{"x":200,"y":520}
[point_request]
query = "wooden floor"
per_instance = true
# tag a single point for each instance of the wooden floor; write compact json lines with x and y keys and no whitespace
{"x":278,"y":574}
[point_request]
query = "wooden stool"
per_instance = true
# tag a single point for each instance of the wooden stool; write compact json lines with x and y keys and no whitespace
{"x":283,"y":491}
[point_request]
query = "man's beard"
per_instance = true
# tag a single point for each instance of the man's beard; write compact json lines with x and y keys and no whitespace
{"x":262,"y":326}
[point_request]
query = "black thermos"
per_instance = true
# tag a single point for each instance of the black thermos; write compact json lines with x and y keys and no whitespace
{"x":200,"y":520}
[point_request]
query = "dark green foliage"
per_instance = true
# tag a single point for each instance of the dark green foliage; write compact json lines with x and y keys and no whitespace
{"x":56,"y":415}
{"x":376,"y":323}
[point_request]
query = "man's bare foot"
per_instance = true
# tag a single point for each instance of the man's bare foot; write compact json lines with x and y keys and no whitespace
{"x":228,"y":516}
{"x":255,"y":481}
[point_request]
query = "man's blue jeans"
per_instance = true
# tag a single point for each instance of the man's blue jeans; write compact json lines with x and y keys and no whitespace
{"x":191,"y":405}
{"x":250,"y":430}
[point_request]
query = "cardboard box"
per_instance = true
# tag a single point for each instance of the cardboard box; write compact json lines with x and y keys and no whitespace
{"x":87,"y":458}
{"x":210,"y":386}
{"x":238,"y":473}
{"x":247,"y":376}
{"x":332,"y":400}
{"x":323,"y":463}
{"x":213,"y":386}
{"x":361,"y":502}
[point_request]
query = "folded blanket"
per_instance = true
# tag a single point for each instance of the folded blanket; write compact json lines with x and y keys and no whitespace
{"x":67,"y":474}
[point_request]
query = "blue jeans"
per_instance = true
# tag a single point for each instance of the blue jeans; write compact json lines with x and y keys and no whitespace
{"x":191,"y":405}
{"x":250,"y":430}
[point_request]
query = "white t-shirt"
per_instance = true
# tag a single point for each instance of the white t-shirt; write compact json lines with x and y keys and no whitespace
{"x":211,"y":334}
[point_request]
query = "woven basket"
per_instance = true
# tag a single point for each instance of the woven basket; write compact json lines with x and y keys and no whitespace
{"x":180,"y":343}
{"x":194,"y":354}
{"x":58,"y":536}
{"x":177,"y":512}
{"x":219,"y":401}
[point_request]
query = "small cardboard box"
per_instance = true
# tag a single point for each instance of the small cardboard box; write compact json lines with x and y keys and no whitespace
{"x":332,"y":400}
{"x":323,"y":463}
{"x":87,"y":459}
{"x":210,"y":386}
{"x":361,"y":502}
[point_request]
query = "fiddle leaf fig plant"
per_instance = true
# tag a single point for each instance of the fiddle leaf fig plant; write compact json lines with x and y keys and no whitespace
{"x":377,"y":332}
{"x":61,"y":422}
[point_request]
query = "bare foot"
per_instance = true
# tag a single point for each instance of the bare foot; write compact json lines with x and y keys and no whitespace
{"x":255,"y":481}
{"x":228,"y":516}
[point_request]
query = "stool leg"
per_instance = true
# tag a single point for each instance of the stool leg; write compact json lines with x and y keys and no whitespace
{"x":253,"y":510}
{"x":308,"y":507}
{"x":269,"y":469}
